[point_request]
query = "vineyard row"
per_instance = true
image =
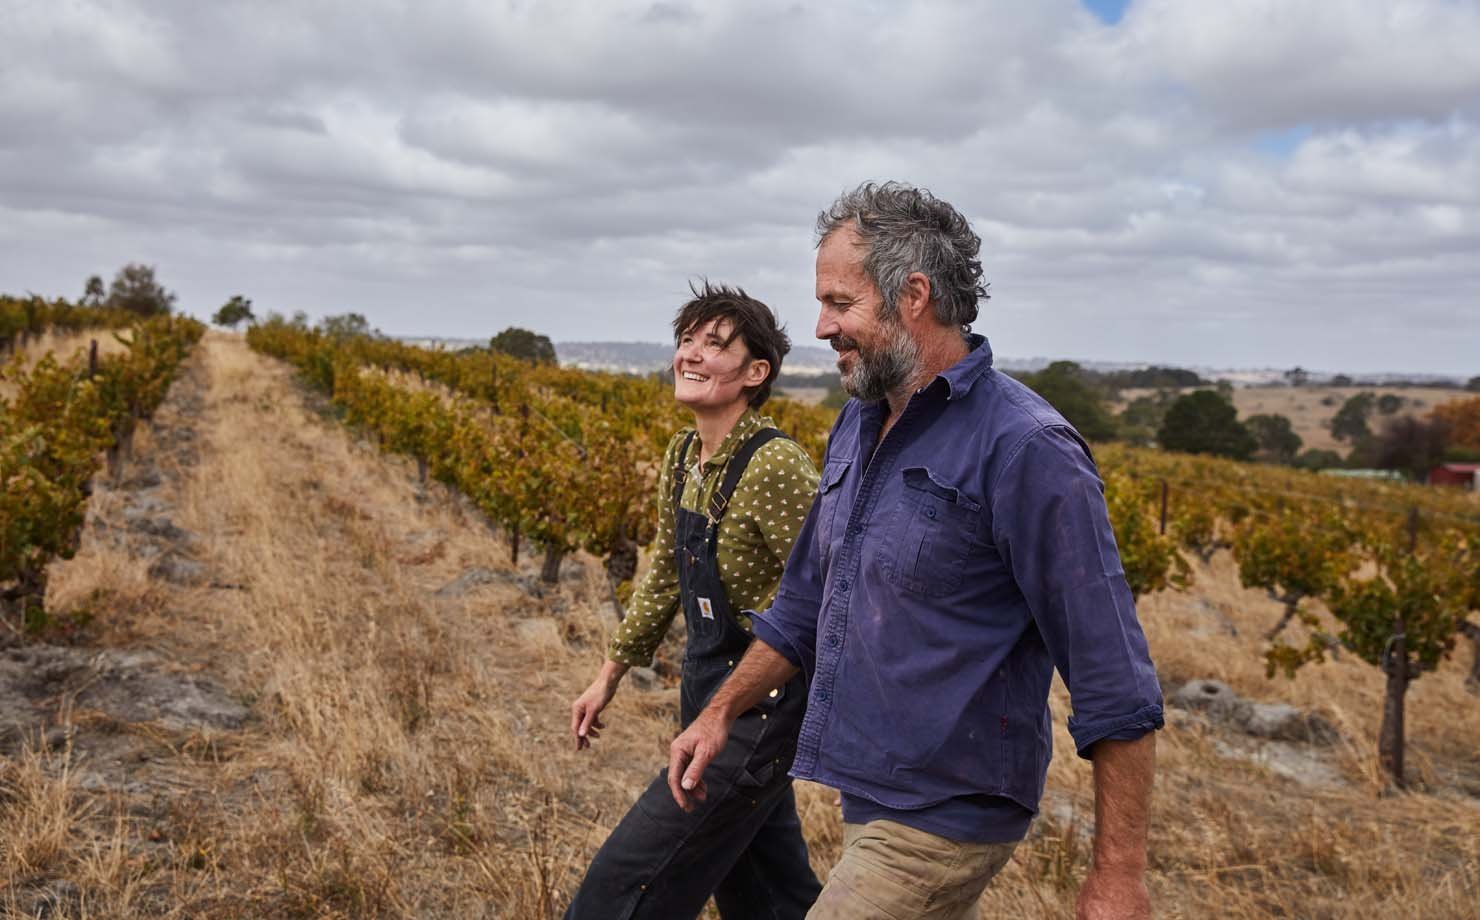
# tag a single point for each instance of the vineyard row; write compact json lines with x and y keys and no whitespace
{"x":65,"y":419}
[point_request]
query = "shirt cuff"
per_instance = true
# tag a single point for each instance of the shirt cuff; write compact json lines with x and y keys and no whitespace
{"x":775,"y":638}
{"x":630,"y":657}
{"x":1116,"y":728}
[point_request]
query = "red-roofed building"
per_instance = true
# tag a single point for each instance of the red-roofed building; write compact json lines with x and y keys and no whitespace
{"x":1464,"y":475}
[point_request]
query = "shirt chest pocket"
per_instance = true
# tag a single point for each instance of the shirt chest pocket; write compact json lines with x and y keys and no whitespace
{"x":933,"y":530}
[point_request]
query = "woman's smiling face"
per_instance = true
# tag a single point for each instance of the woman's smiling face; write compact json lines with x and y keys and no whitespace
{"x":711,"y":370}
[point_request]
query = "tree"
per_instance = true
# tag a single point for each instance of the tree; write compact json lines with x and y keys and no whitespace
{"x":1473,"y":385}
{"x":1297,"y":376}
{"x":1463,"y":418}
{"x":344,"y":326}
{"x":1411,"y":445}
{"x":1202,"y":422}
{"x":1142,"y":417}
{"x":1277,"y":440}
{"x":235,"y":310}
{"x":524,"y":344}
{"x":1316,"y":459}
{"x":1341,"y":380}
{"x":94,"y":292}
{"x":1350,"y":421}
{"x":1063,"y":384}
{"x":1388,"y":403}
{"x":134,"y":289}
{"x":1403,"y":619}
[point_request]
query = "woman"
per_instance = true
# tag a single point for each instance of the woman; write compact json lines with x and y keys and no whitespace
{"x":733,"y":494}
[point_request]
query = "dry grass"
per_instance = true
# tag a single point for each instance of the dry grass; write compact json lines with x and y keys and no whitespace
{"x":407,"y":754}
{"x":64,"y":345}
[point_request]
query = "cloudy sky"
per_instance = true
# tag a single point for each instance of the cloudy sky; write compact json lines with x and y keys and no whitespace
{"x":1233,"y":184}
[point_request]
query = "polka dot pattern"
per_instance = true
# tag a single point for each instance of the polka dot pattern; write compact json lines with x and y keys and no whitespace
{"x":755,"y":536}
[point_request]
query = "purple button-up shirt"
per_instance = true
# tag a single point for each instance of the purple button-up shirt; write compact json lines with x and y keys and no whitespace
{"x":935,"y":585}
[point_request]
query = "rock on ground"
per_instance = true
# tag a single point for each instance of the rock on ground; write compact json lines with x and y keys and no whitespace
{"x":1275,"y":721}
{"x":126,"y":686}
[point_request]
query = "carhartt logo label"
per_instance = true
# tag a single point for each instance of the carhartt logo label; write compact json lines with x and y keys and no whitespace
{"x":706,"y":608}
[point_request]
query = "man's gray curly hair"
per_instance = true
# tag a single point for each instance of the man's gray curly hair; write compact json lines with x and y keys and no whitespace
{"x":906,"y":230}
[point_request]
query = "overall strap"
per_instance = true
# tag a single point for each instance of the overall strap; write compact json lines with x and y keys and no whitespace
{"x":679,"y":475}
{"x":720,"y":501}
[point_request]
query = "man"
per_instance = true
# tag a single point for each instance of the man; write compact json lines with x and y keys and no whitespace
{"x":958,"y":550}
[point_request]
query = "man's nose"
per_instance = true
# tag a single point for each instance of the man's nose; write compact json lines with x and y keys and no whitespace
{"x":827,"y":324}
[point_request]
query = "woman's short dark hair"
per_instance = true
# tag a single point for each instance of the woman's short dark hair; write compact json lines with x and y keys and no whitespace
{"x":754,"y":323}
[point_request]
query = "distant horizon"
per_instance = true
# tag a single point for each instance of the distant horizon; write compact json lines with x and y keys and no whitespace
{"x":1461,"y":377}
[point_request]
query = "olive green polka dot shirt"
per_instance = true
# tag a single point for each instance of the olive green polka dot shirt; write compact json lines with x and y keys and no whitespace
{"x":755,"y":536}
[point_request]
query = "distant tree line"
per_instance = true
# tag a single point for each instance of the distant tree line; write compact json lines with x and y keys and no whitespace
{"x":1204,"y":421}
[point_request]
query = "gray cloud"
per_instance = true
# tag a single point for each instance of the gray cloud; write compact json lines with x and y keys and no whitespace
{"x":1253,"y":183}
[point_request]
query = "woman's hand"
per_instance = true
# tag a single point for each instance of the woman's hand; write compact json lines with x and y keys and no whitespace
{"x":585,"y":712}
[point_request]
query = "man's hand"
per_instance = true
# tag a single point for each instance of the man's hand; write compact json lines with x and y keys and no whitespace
{"x":585,"y":723}
{"x":691,"y":753}
{"x":760,"y":671}
{"x":1113,"y":895}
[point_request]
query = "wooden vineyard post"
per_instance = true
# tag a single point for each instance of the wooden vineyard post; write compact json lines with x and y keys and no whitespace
{"x":1390,"y":738}
{"x":92,"y":359}
{"x":1163,"y":530}
{"x":550,"y":571}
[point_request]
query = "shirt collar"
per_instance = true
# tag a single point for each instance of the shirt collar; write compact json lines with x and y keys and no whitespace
{"x":961,"y":376}
{"x":748,"y":424}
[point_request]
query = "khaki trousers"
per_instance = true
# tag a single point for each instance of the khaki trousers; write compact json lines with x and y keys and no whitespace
{"x":892,"y":872}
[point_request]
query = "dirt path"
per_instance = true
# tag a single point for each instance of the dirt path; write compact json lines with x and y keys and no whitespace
{"x":309,"y":686}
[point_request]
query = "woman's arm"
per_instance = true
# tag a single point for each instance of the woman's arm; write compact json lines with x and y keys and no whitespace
{"x":653,"y":607}
{"x":655,"y":602}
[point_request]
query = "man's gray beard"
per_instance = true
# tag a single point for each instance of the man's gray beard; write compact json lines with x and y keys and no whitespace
{"x":876,"y":374}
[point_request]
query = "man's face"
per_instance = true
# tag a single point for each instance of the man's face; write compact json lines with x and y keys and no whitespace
{"x":875,"y":356}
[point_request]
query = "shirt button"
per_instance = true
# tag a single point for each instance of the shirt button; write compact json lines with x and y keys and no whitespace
{"x":856,"y":529}
{"x":930,"y":512}
{"x":833,"y":640}
{"x":842,"y":584}
{"x":822,"y":696}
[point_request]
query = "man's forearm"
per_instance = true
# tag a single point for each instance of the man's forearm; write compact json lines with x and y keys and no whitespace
{"x":762,"y":670}
{"x":1124,"y":771}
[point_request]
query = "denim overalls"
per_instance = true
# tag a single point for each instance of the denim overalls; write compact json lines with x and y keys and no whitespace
{"x":743,"y":844}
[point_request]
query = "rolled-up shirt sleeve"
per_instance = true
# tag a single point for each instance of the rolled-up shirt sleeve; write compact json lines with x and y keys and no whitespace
{"x":789,"y":625}
{"x":1051,"y":525}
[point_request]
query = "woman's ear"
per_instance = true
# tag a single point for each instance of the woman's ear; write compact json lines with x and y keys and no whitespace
{"x":757,"y":372}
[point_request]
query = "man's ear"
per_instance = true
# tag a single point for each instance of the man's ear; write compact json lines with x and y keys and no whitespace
{"x":914,"y":297}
